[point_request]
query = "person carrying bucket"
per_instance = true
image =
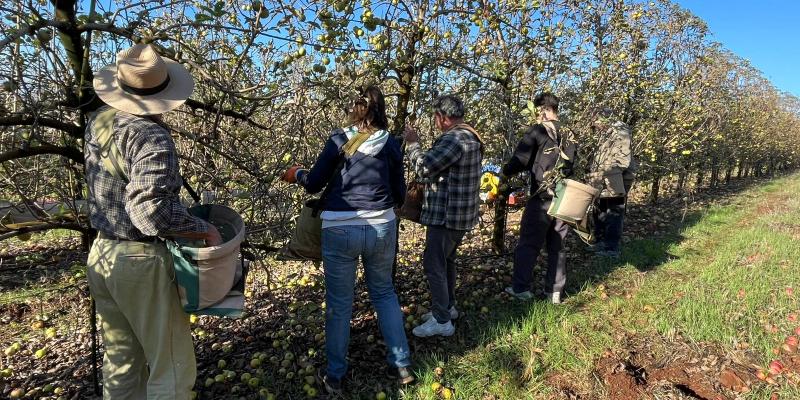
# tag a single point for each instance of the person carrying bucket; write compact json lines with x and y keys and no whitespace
{"x":547,"y":152}
{"x":612,"y":171}
{"x":146,"y":334}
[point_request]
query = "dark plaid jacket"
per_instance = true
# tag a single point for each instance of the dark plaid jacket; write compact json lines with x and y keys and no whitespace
{"x":148,"y":205}
{"x":451,"y":170}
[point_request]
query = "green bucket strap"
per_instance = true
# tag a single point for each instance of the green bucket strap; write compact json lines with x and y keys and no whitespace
{"x":112,"y":158}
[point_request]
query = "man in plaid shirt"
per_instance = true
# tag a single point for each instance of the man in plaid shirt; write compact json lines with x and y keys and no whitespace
{"x":451,"y":170}
{"x":146,"y":335}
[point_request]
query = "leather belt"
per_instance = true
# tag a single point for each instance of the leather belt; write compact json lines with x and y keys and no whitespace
{"x":146,"y":239}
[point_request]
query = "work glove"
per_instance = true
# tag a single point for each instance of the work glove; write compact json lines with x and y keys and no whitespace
{"x":291,"y":174}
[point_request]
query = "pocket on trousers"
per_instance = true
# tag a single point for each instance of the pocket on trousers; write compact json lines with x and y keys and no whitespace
{"x":335,"y":240}
{"x":385,"y":239}
{"x":135,"y":267}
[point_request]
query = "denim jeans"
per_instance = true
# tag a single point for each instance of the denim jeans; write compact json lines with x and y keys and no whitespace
{"x":341,"y":248}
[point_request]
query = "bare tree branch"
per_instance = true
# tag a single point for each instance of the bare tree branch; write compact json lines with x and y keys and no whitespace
{"x":71,"y":129}
{"x":71,"y":153}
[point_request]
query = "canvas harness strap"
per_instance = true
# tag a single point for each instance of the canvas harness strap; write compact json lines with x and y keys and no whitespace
{"x":112,"y":158}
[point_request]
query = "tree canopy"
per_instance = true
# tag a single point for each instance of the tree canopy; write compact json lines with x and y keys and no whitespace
{"x":274,"y":77}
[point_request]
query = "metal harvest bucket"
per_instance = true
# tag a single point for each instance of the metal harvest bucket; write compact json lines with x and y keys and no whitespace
{"x":572,"y":200}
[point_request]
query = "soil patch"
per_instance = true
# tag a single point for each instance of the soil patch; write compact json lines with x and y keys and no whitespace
{"x":657,"y":368}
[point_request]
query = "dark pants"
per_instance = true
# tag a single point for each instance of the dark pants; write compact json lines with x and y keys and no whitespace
{"x":608,"y":222}
{"x":439,"y":263}
{"x":535,"y":229}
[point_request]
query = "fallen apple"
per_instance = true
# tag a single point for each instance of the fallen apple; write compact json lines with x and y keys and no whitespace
{"x":761,"y":374}
{"x":380,"y":396}
{"x":40,"y":353}
{"x":447,"y":393}
{"x":775,"y":367}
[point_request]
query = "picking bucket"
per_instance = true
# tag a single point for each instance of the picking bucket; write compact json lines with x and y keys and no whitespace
{"x":208,"y":277}
{"x":572,"y":200}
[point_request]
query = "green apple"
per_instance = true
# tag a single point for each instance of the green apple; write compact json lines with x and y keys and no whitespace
{"x":380,"y":396}
{"x":44,"y":35}
{"x":41,"y":353}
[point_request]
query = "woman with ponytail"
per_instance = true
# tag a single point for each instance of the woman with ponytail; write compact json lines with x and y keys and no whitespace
{"x":363,"y":166}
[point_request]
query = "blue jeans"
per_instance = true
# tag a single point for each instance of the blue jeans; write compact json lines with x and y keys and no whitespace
{"x":341,"y":248}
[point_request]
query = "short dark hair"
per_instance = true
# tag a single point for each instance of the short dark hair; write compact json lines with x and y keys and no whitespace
{"x":449,"y":106}
{"x":546,"y":99}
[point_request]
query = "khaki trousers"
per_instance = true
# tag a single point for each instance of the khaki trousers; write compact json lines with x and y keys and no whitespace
{"x":148,"y":343}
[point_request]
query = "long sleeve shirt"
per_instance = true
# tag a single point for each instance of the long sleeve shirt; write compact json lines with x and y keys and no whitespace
{"x":538,"y":153}
{"x":451,"y":170}
{"x":148,"y":204}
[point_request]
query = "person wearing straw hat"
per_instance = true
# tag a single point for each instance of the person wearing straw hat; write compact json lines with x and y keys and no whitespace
{"x":612,"y":170}
{"x":146,"y":334}
{"x":547,"y":153}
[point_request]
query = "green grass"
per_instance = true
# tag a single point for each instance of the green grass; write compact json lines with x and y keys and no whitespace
{"x":720,"y":280}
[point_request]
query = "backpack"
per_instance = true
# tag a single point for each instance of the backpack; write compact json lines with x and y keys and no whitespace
{"x":210,"y":280}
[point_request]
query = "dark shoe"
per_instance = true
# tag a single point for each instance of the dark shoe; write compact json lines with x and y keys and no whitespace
{"x":331,"y":385}
{"x":402,"y":375}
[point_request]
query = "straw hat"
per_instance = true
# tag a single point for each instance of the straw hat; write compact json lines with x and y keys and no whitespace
{"x":143,"y":83}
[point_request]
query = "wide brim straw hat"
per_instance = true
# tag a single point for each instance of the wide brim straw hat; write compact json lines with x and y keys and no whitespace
{"x":143,"y":83}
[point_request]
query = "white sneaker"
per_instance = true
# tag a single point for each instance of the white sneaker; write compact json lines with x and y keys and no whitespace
{"x":428,"y":315}
{"x":431,"y":327}
{"x":554,"y":298}
{"x":526,"y":295}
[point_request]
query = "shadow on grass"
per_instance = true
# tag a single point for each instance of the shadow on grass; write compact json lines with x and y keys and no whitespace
{"x":647,"y":252}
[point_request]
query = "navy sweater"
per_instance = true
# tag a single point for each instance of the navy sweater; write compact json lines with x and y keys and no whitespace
{"x":365,"y":182}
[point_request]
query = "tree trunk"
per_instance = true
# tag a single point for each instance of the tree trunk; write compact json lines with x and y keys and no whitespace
{"x":499,"y":230}
{"x":728,"y":173}
{"x":681,"y":182}
{"x":654,"y":189}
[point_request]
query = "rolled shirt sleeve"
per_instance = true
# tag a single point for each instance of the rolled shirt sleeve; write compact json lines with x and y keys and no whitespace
{"x":152,"y":192}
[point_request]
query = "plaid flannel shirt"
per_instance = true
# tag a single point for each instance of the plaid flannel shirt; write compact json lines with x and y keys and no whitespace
{"x":451,"y":170}
{"x":148,"y":205}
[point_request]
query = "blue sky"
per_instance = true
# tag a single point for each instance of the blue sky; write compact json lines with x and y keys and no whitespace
{"x":766,"y":32}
